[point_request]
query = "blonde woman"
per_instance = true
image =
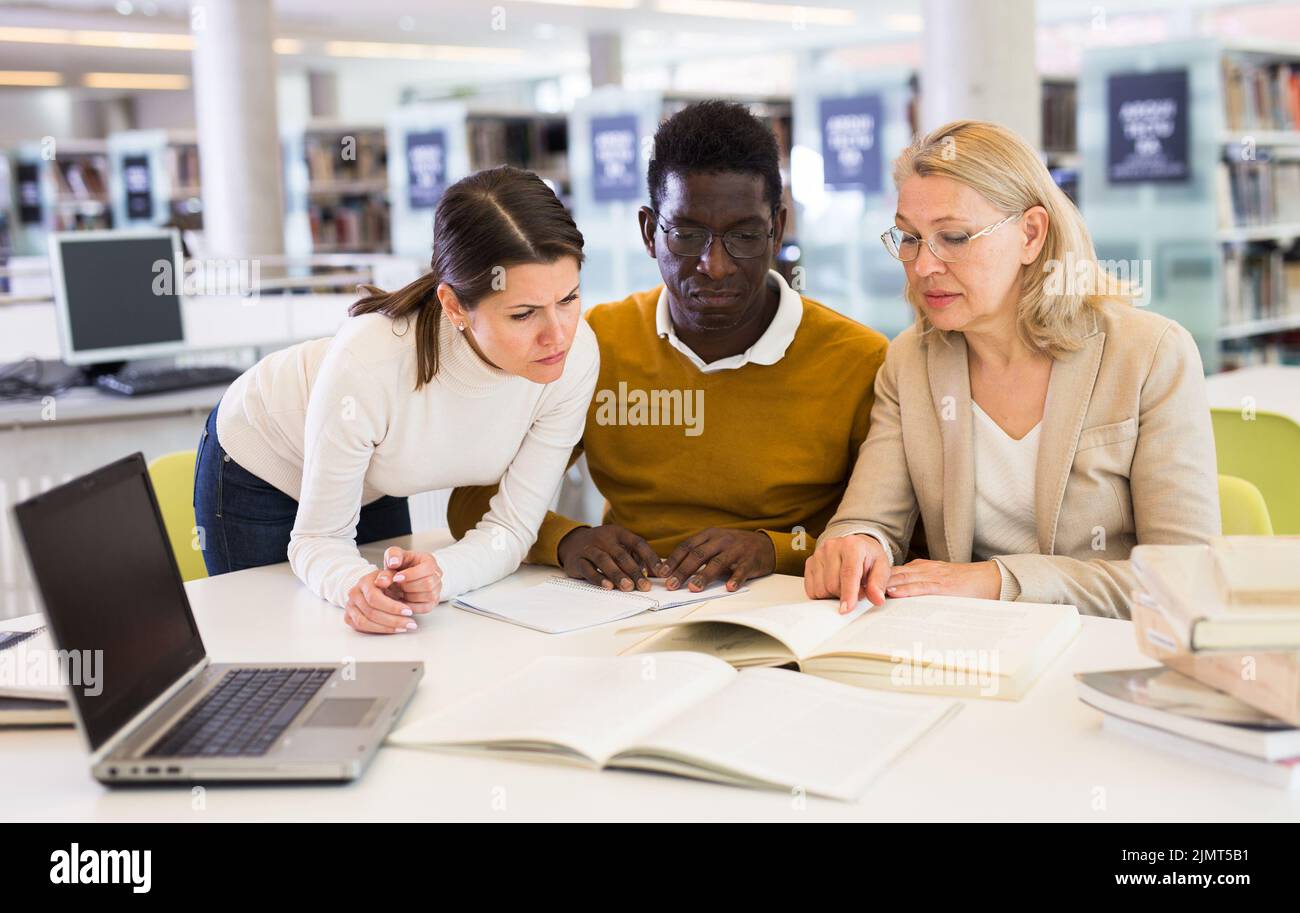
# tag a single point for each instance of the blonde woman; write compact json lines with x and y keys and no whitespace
{"x":1037,"y":422}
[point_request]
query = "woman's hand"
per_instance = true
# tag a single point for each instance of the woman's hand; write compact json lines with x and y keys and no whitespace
{"x":411,"y":577}
{"x":924,"y":578}
{"x":384,"y":601}
{"x":849,"y":567}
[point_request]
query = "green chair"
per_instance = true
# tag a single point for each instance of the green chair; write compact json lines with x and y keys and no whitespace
{"x":173,"y":483}
{"x":1263,"y":449}
{"x":1242,"y":508}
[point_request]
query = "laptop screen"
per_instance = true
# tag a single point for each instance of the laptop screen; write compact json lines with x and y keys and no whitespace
{"x":113,"y":595}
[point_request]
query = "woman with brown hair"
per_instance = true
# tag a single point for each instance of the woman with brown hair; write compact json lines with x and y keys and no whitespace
{"x":479,"y":371}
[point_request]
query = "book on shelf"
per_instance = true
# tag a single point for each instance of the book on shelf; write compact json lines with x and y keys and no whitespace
{"x":183,"y":167}
{"x":81,"y":178}
{"x":355,"y":222}
{"x":1262,"y":190}
{"x":925,"y":644}
{"x":1261,"y":96}
{"x":346,"y":157}
{"x":686,"y":714}
{"x":1060,"y":114}
{"x":1259,"y":283}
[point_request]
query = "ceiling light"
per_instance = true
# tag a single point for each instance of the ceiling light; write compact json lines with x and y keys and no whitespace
{"x":172,"y":81}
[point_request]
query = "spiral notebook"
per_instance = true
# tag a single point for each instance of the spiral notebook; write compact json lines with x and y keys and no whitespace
{"x":561,"y":604}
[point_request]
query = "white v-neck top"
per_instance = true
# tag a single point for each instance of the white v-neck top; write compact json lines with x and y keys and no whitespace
{"x":1005,"y":469}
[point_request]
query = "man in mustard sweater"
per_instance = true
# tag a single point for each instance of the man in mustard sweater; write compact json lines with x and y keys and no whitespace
{"x":729,"y":408}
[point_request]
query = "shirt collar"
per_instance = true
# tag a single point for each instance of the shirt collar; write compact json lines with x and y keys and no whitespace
{"x":767,"y":350}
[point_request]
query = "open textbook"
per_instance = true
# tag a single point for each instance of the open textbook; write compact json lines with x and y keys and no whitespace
{"x":932,"y":644}
{"x":690,"y":715}
{"x":559,"y":604}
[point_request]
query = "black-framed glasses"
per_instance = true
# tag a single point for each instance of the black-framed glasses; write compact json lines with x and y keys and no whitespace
{"x":949,"y":246}
{"x":740,"y":243}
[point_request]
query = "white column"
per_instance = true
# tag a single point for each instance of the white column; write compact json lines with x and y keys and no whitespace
{"x":605,"y":53}
{"x":978,"y":63}
{"x":239,"y":142}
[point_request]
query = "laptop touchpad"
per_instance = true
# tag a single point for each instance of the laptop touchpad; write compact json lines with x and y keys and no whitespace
{"x":340,"y":711}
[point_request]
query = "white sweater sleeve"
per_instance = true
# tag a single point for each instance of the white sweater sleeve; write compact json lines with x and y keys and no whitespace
{"x":498,"y":544}
{"x":346,"y":415}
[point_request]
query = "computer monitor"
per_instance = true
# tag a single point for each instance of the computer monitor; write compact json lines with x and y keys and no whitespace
{"x":117,"y":294}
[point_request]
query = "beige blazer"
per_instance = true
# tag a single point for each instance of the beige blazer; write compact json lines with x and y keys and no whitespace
{"x":1126,"y":456}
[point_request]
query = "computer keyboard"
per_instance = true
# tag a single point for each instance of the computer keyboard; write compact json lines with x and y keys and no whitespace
{"x":142,"y":381}
{"x":243,"y":715}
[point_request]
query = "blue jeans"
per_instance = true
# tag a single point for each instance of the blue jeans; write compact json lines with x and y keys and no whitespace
{"x":245,"y":522}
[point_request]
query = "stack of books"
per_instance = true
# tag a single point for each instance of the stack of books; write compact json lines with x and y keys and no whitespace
{"x":1224,"y":620}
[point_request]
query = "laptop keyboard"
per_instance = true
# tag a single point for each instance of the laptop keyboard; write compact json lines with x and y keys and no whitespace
{"x":243,"y":715}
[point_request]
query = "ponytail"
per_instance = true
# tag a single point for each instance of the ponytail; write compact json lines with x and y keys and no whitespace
{"x":417,"y":302}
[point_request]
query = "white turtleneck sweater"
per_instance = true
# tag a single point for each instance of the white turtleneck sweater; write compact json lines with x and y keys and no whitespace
{"x":337,"y":423}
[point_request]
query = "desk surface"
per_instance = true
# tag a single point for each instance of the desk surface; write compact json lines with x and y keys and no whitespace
{"x":1042,"y":758}
{"x":90,"y":404}
{"x":1272,"y":388}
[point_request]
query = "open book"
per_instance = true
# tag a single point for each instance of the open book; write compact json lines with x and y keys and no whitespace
{"x":931,"y":644}
{"x":560,"y":604}
{"x":686,"y":714}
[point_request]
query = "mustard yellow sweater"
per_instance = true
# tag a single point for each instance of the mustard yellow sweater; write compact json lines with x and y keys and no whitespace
{"x":674,"y":450}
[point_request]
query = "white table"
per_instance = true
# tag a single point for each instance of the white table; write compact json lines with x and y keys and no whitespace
{"x":1269,"y":388}
{"x":1042,"y":758}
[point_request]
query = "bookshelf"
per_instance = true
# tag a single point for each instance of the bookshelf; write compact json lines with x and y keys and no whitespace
{"x":525,"y":139}
{"x":1221,"y":243}
{"x":336,"y":189}
{"x":154,"y":177}
{"x":58,"y":186}
{"x":1059,"y":141}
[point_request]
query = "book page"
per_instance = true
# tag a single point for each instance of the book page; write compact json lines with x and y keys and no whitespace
{"x":801,"y":626}
{"x":554,"y":609}
{"x":591,"y":705}
{"x":663,"y":597}
{"x":791,"y":730}
{"x":741,"y":647}
{"x":955,"y":632}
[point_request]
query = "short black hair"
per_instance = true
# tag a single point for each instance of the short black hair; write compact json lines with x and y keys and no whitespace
{"x":712,"y":137}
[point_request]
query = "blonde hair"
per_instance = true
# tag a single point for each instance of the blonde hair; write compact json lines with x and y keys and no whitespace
{"x":1005,"y":170}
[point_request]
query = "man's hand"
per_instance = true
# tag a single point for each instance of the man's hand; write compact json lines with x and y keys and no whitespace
{"x":714,"y":553}
{"x":609,"y":556}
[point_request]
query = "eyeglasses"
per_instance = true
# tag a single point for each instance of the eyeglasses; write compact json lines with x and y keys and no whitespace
{"x":741,"y":243}
{"x":949,"y":246}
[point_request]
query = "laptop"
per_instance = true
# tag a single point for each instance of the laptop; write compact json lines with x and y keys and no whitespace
{"x":149,"y":702}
